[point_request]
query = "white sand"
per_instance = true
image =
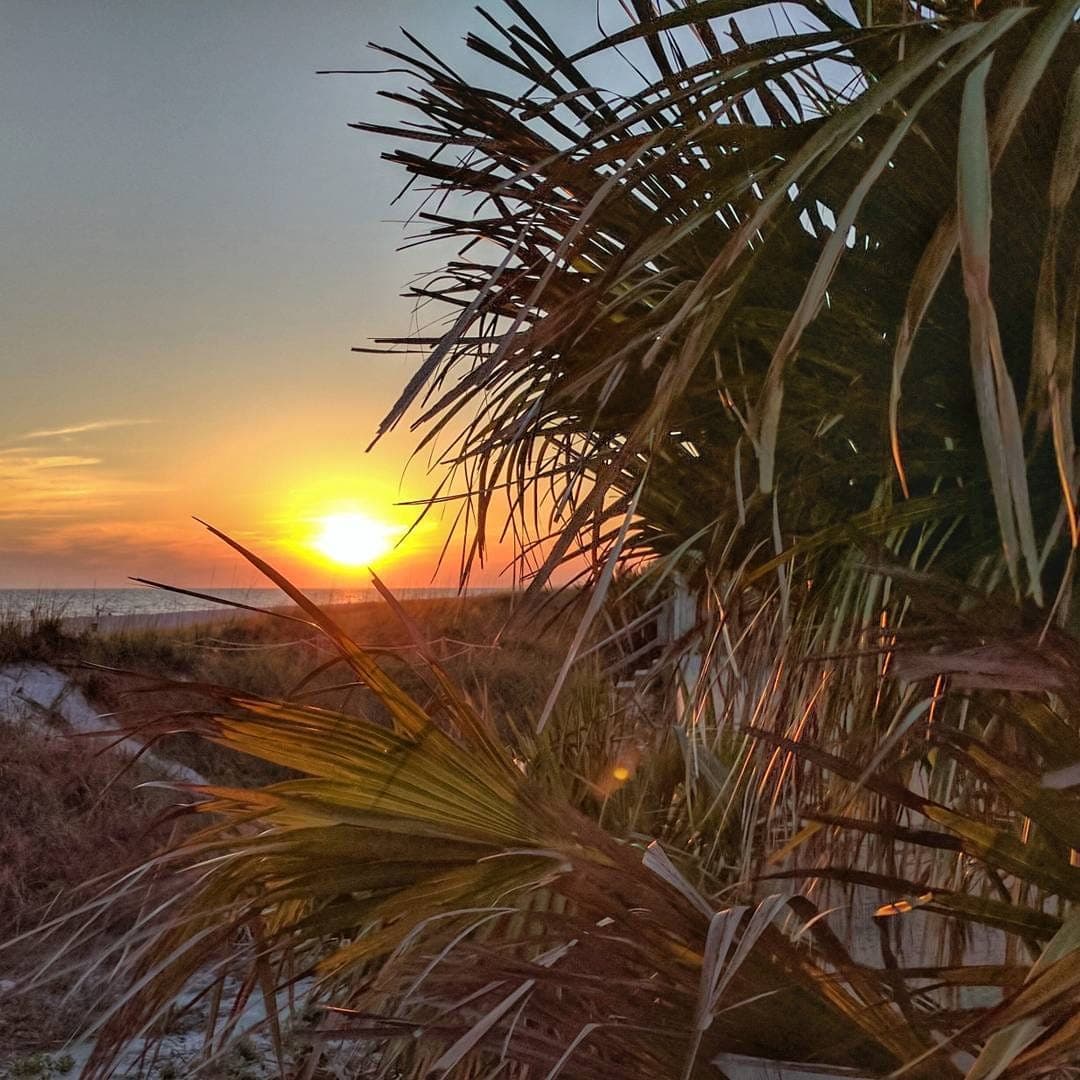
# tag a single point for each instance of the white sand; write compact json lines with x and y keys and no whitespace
{"x":52,"y":704}
{"x":159,"y":620}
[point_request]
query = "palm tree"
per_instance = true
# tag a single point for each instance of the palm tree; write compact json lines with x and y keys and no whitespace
{"x":751,"y":261}
{"x":796,"y":319}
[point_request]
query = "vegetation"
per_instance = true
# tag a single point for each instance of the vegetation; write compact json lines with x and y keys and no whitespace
{"x":789,"y":329}
{"x":393,"y":842}
{"x":70,"y":812}
{"x":66,"y":817}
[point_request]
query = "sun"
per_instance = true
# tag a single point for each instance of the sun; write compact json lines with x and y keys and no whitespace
{"x":353,"y":539}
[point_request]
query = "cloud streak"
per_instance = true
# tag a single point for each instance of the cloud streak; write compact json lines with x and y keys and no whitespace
{"x":79,"y":429}
{"x":18,"y":468}
{"x":43,"y":487}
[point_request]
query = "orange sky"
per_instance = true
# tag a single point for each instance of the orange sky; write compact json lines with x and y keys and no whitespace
{"x":194,"y":240}
{"x":87,"y":507}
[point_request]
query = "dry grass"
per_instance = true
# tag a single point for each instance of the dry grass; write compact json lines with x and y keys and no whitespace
{"x":66,"y":817}
{"x":39,"y":636}
{"x":511,"y":669}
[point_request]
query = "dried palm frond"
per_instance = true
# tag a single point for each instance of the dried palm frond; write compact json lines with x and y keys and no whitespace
{"x":805,"y":309}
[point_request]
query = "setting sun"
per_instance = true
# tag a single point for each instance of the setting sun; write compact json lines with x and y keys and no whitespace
{"x":354,"y":539}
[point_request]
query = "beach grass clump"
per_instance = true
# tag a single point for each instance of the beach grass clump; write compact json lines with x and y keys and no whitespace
{"x":512,"y":666}
{"x":37,"y":635}
{"x":166,"y":650}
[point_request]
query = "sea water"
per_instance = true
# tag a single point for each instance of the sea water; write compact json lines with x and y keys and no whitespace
{"x":94,"y":603}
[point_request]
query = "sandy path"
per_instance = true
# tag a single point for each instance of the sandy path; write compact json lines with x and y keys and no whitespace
{"x":37,"y":694}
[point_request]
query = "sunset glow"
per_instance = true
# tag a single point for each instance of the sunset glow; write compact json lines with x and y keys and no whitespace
{"x":214,"y":377}
{"x":354,"y":539}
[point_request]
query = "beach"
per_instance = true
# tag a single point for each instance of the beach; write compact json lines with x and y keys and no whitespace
{"x":158,"y":620}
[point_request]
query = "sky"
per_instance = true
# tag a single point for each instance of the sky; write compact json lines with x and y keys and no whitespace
{"x":193,"y":241}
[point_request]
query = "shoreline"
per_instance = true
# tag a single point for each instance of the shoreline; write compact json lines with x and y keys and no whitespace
{"x":180,"y":620}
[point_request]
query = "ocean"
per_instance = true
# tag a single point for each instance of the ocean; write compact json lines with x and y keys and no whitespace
{"x":94,"y":603}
